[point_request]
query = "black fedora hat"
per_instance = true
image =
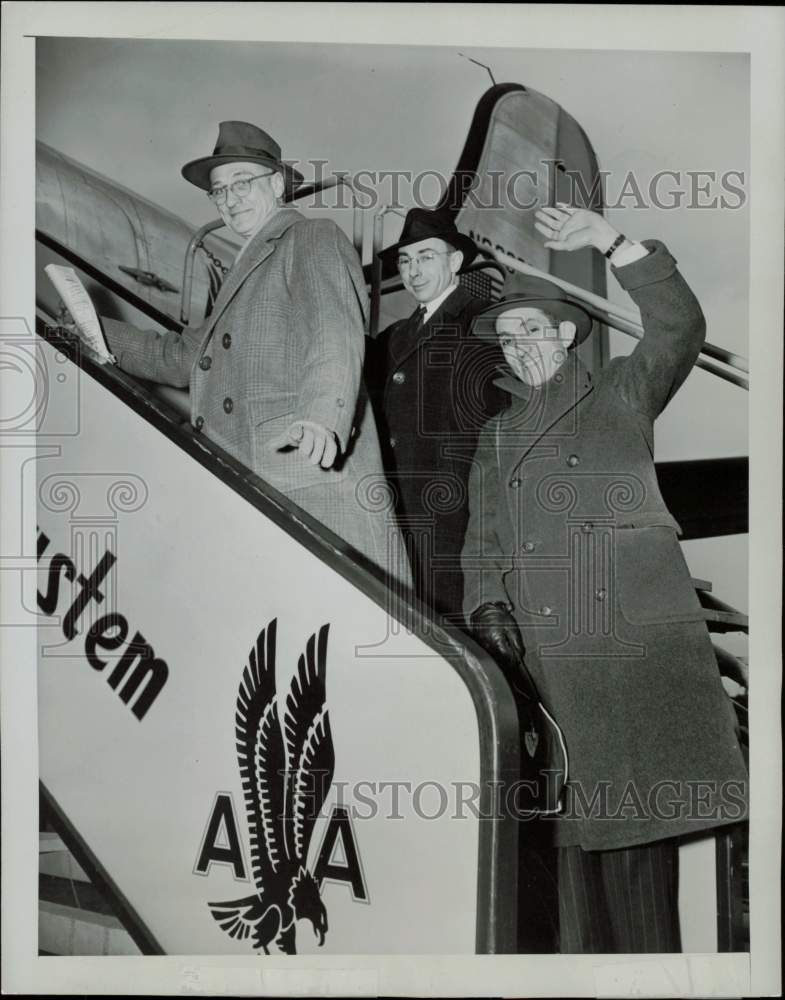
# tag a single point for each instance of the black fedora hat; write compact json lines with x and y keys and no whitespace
{"x":244,"y":142}
{"x":425,"y":224}
{"x":535,"y":293}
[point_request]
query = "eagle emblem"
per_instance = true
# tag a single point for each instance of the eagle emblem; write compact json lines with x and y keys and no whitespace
{"x":285,"y":777}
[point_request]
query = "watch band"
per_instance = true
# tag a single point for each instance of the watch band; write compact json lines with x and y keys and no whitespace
{"x":615,"y":245}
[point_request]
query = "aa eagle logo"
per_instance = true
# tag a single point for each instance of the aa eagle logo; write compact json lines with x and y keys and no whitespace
{"x":285,"y":777}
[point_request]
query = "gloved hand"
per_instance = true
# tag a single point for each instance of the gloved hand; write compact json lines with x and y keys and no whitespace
{"x":495,"y":629}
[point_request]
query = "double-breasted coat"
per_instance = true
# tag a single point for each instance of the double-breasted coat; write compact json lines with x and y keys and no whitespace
{"x":284,"y":342}
{"x":432,"y":386}
{"x":569,"y":529}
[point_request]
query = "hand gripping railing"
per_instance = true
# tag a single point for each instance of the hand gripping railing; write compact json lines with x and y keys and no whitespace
{"x":628,"y":321}
{"x":196,"y":241}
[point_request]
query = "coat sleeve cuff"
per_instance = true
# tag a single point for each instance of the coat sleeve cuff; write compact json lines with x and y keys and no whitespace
{"x":656,"y":266}
{"x":484,"y":589}
{"x":333,"y":413}
{"x":119,"y":336}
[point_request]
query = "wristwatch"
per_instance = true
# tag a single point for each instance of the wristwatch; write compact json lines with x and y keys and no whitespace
{"x":615,"y":245}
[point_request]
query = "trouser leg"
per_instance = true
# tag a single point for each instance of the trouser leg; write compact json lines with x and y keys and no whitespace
{"x":583,"y":920}
{"x":642,"y":886}
{"x":623,"y":901}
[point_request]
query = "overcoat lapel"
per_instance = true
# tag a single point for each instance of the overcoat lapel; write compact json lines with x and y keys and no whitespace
{"x":408,"y":338}
{"x":535,"y":410}
{"x":262,"y":244}
{"x":403,"y":339}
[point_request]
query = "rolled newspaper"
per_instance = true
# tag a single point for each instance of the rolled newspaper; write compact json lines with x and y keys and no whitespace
{"x":77,"y":301}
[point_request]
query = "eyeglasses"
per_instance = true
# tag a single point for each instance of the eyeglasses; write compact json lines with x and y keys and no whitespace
{"x":525,"y":333}
{"x":240,"y":188}
{"x":426,"y":257}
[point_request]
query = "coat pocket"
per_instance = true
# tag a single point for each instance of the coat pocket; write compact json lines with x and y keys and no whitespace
{"x":653,"y":583}
{"x":286,"y":469}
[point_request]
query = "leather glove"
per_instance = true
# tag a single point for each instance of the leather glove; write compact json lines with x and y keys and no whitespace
{"x":495,"y":629}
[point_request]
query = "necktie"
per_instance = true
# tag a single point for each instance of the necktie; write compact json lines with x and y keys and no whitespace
{"x":418,"y":318}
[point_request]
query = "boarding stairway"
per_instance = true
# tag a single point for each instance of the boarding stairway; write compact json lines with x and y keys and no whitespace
{"x":257,"y":521}
{"x":79,"y":911}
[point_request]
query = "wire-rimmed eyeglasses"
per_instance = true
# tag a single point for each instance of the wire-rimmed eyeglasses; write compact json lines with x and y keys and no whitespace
{"x":240,"y":188}
{"x":426,"y":257}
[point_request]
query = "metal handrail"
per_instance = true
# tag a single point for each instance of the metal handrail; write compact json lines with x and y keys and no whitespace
{"x":330,"y":182}
{"x":628,"y":321}
{"x":188,"y":266}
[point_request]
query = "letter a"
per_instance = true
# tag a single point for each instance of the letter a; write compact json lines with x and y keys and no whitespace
{"x":350,"y":871}
{"x":221,"y":842}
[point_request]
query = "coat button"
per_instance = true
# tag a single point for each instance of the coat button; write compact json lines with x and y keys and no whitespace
{"x":228,"y":404}
{"x":226,"y":340}
{"x":515,"y":483}
{"x":573,"y":460}
{"x":205,"y":362}
{"x":199,"y":423}
{"x":528,"y":546}
{"x":340,"y":402}
{"x":545,"y":610}
{"x":399,"y":378}
{"x":601,"y":594}
{"x":393,"y":442}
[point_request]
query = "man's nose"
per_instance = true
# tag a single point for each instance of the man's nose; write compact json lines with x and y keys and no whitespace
{"x":231,"y":198}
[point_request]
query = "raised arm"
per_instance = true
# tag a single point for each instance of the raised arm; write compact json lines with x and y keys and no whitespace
{"x":673,"y":323}
{"x":674,"y":332}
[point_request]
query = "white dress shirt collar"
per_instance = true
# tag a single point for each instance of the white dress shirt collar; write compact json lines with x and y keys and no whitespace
{"x":433,"y":305}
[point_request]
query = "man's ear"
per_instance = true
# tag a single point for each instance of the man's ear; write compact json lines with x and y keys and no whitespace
{"x":456,"y":261}
{"x":278,"y":185}
{"x":567,"y":331}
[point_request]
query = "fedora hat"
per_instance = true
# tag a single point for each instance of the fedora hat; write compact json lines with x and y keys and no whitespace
{"x":248,"y":144}
{"x":534,"y":293}
{"x":425,"y":224}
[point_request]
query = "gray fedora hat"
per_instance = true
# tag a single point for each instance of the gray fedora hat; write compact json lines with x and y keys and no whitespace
{"x":535,"y":293}
{"x":246,"y":143}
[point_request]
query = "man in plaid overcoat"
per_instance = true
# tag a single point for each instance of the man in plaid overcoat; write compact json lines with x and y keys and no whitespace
{"x":275,"y":370}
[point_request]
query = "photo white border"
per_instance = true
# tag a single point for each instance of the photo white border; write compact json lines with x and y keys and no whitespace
{"x":757,"y":30}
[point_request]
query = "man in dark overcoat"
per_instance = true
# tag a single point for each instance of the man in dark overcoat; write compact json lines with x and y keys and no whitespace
{"x":572,"y":561}
{"x":432,"y":386}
